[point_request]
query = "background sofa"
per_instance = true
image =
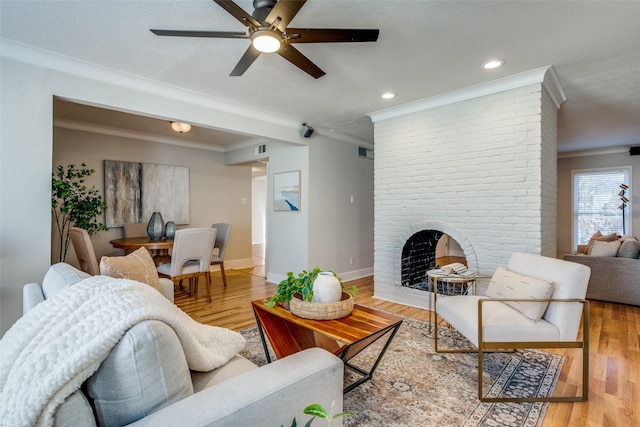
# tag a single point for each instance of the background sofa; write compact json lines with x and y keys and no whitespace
{"x":145,"y":380}
{"x":613,"y":279}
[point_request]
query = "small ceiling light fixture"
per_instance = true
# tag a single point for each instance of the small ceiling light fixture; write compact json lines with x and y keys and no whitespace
{"x":493,"y":63}
{"x":388,"y":95}
{"x":180,"y":127}
{"x":266,"y":41}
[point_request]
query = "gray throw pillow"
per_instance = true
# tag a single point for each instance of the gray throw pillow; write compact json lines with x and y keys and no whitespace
{"x":145,"y":372}
{"x":630,"y":248}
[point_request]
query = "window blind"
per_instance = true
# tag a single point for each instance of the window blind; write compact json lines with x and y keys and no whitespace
{"x":596,"y":203}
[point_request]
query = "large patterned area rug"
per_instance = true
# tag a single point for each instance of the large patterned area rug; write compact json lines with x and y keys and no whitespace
{"x":415,"y":386}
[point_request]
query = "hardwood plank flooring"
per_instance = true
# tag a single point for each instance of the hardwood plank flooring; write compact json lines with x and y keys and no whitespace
{"x":614,"y":395}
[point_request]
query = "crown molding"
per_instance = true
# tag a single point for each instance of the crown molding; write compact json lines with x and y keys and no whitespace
{"x":46,"y":59}
{"x":124,"y":133}
{"x":477,"y":91}
{"x":594,"y":152}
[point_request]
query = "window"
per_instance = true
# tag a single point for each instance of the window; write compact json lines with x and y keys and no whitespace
{"x":598,"y":204}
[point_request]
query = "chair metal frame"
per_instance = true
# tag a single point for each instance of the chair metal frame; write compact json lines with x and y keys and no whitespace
{"x":501,"y":346}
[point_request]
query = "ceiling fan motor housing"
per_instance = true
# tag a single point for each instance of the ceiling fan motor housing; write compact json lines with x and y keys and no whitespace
{"x":261,"y":9}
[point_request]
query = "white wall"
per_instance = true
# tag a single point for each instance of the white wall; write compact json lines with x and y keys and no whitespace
{"x":329,"y":229}
{"x":217,"y":192}
{"x":474,"y":169}
{"x":340,"y":176}
{"x":287,"y":231}
{"x":568,"y":162}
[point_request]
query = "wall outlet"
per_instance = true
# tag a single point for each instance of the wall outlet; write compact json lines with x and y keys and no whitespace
{"x":351,"y":261}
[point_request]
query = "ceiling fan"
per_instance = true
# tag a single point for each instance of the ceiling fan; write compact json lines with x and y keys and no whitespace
{"x":268,"y":31}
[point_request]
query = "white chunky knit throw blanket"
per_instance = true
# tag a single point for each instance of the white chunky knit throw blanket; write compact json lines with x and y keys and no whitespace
{"x":61,"y":342}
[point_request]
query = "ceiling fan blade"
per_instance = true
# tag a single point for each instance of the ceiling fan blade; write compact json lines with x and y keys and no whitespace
{"x":329,"y":35}
{"x":250,"y":55}
{"x":212,"y":34}
{"x":294,"y":56}
{"x":237,"y":12}
{"x":285,"y":10}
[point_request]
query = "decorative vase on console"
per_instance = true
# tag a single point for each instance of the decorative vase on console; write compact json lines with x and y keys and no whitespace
{"x":327,"y":288}
{"x":170,"y":230}
{"x":155,"y":228}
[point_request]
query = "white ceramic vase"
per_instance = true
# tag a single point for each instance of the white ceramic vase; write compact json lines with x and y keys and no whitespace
{"x":326,"y":288}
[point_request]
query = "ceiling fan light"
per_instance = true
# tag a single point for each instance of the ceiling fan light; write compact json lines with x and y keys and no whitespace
{"x":265,"y":41}
{"x":180,"y":127}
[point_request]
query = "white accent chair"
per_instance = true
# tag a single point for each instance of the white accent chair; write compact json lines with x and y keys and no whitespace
{"x":500,"y":322}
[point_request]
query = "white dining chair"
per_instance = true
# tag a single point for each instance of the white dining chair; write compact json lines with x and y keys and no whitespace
{"x":220,"y":247}
{"x":191,"y":258}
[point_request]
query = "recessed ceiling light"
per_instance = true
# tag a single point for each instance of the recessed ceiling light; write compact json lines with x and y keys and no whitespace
{"x":388,"y":95}
{"x":493,"y":63}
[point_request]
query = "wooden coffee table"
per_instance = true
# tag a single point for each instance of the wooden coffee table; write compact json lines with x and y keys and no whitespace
{"x":345,"y":337}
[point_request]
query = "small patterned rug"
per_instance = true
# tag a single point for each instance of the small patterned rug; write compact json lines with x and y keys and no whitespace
{"x":415,"y":386}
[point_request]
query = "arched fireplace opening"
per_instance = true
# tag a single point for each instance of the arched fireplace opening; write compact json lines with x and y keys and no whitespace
{"x":425,"y":250}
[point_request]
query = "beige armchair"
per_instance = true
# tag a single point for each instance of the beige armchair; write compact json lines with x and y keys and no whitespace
{"x":84,"y":251}
{"x":536,"y":302}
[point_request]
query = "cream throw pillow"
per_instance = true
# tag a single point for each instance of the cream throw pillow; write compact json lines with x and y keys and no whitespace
{"x":508,"y":284}
{"x":138,"y":265}
{"x":602,"y":248}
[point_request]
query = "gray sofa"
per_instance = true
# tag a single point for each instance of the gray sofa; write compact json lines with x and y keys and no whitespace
{"x":145,"y":380}
{"x":613,"y":279}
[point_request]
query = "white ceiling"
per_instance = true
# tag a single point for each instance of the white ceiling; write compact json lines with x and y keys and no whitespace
{"x":425,"y":48}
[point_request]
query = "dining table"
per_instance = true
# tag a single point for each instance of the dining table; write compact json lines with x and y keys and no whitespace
{"x":160,"y":249}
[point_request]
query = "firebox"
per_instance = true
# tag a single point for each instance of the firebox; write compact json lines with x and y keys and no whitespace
{"x":418,"y":257}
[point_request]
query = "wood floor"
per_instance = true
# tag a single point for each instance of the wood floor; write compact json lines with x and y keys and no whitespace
{"x":614,"y":395}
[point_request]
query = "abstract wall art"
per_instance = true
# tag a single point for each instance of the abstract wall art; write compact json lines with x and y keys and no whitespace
{"x":133,"y":191}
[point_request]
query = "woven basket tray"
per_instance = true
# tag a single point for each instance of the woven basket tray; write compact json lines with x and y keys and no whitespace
{"x":322,"y":310}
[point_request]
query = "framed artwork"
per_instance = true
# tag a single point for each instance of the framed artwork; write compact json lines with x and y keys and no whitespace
{"x":286,"y":191}
{"x":133,"y":191}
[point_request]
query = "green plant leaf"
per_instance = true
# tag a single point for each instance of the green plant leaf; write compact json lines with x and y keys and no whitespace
{"x":316,"y":410}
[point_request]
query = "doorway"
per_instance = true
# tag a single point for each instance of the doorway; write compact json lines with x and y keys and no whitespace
{"x":259,"y":218}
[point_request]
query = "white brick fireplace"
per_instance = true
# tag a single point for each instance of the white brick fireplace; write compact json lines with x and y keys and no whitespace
{"x":478,"y":165}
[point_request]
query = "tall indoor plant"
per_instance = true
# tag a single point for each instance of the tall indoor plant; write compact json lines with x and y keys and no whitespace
{"x":74,"y":204}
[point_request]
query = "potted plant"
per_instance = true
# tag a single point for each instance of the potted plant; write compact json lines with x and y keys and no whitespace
{"x":73,"y":204}
{"x":301,"y":284}
{"x":319,"y":412}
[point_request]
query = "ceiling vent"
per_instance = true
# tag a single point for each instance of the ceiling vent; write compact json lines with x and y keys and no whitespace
{"x":260,"y":149}
{"x":365,"y":152}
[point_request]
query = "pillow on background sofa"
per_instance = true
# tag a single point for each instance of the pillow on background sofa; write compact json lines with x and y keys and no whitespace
{"x":138,"y":265}
{"x":630,"y":248}
{"x":599,"y":237}
{"x":601,"y":248}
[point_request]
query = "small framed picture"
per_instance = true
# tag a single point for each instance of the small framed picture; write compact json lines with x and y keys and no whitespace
{"x":286,"y":191}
